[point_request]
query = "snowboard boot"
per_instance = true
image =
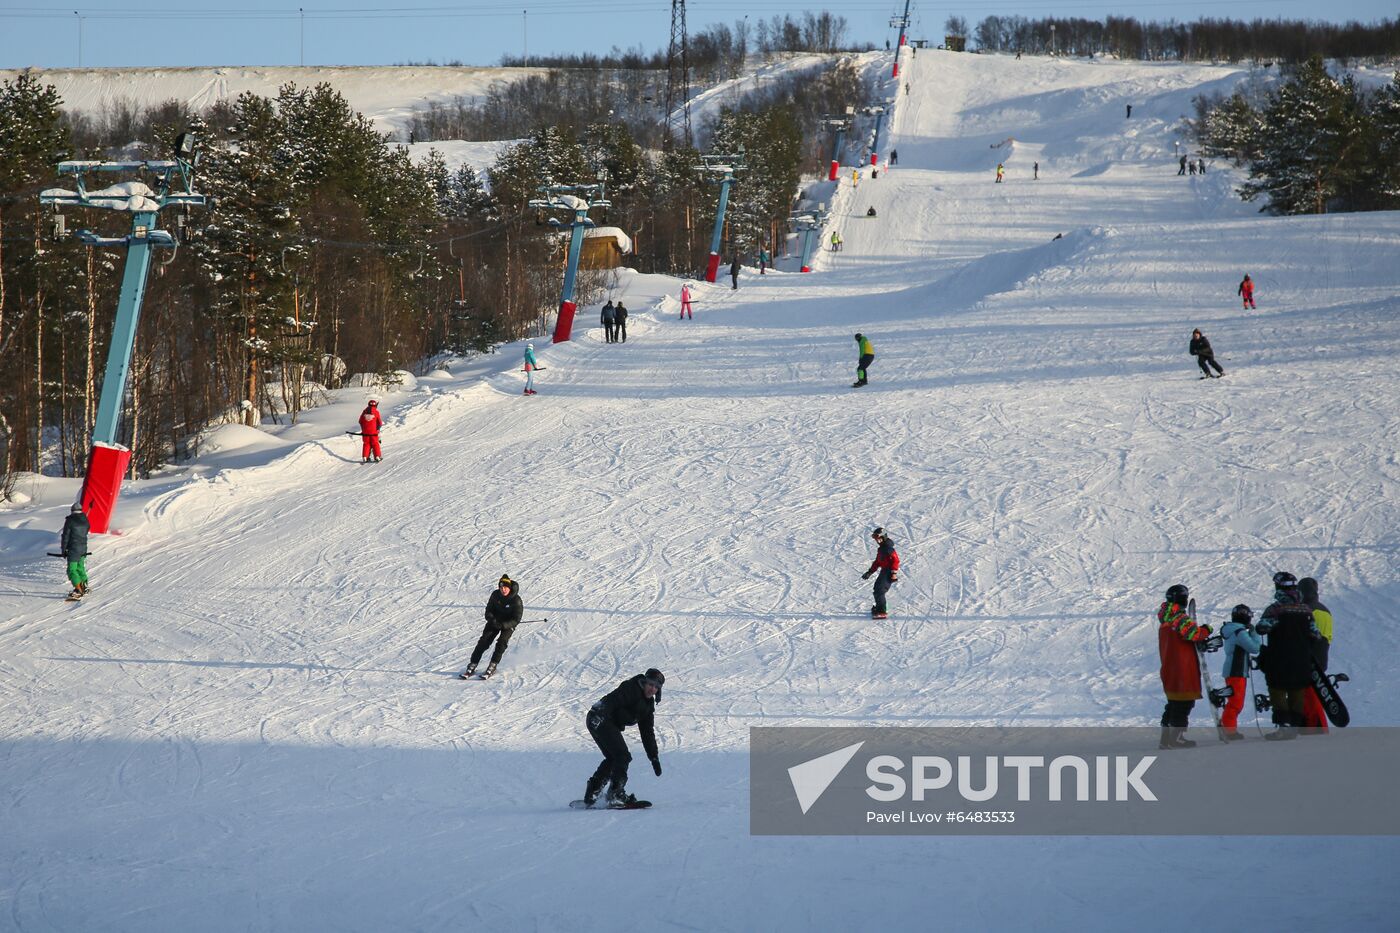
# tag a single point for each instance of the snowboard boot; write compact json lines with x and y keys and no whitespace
{"x":593,"y":789}
{"x":76,"y":594}
{"x":1174,"y":737}
{"x":619,"y":798}
{"x":879,"y":615}
{"x":471,"y":669}
{"x":490,"y":669}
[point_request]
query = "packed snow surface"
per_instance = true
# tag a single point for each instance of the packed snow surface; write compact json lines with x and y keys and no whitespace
{"x":253,"y":721}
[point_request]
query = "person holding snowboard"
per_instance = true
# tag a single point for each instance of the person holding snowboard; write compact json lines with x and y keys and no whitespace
{"x":633,"y":703}
{"x":1177,"y":634}
{"x":620,"y":326}
{"x":73,"y":545}
{"x":1240,"y":642}
{"x":887,"y":564}
{"x":686,"y":310}
{"x":1314,"y":716}
{"x":1205,"y":356}
{"x":370,"y":423}
{"x":1246,"y":292}
{"x":867,"y":356}
{"x":1286,"y":657}
{"x":531,"y":364}
{"x":503,"y":612}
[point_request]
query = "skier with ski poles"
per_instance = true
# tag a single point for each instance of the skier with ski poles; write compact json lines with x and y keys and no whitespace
{"x":867,"y":356}
{"x":503,"y":613}
{"x":1314,"y":716}
{"x":686,"y":309}
{"x":73,"y":546}
{"x":370,"y":423}
{"x":1286,"y":658}
{"x":633,"y":703}
{"x":531,"y":364}
{"x":1240,"y":642}
{"x":886,"y":563}
{"x":1205,"y":356}
{"x":1177,"y":635}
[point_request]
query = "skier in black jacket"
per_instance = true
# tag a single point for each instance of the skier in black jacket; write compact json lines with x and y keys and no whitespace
{"x":633,"y":703}
{"x":503,"y":612}
{"x":1286,"y":658}
{"x":1205,"y":356}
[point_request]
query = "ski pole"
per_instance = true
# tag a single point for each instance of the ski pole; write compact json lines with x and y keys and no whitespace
{"x":52,"y":554}
{"x":523,"y":621}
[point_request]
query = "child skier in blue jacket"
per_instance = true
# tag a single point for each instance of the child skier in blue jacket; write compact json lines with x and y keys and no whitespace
{"x":1240,"y":643}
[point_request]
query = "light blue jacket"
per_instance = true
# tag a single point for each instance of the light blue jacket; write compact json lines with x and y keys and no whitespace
{"x":1238,"y":638}
{"x":530,"y":359}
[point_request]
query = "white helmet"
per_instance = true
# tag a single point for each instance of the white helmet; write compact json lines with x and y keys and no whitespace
{"x":529,"y":346}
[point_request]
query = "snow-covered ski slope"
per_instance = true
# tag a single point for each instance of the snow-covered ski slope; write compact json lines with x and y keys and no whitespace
{"x":254,"y":721}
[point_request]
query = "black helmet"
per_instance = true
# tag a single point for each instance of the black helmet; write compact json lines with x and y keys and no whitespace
{"x":1308,"y":586}
{"x":1178,"y":594}
{"x":653,"y":676}
{"x":1284,"y":580}
{"x":858,"y":336}
{"x":1242,"y":614}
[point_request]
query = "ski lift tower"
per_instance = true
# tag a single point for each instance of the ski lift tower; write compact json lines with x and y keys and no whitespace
{"x":903,"y":23}
{"x":157,"y":185}
{"x":808,"y":223}
{"x":723,"y":168}
{"x":577,"y":201}
{"x":840,"y":124}
{"x":878,"y":112}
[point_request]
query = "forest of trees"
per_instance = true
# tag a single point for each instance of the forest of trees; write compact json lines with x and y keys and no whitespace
{"x":325,"y":251}
{"x":1315,"y":144}
{"x":1203,"y":40}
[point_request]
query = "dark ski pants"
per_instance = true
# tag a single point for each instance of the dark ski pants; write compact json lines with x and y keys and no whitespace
{"x":1177,"y":712}
{"x":882,"y":586}
{"x":865,"y":360}
{"x":616,"y":757}
{"x":620,"y":332}
{"x":1289,"y":705}
{"x":608,"y":331}
{"x":1207,"y":361}
{"x":734,"y":279}
{"x":501,"y":636}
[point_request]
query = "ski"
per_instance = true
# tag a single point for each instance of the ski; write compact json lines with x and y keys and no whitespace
{"x":635,"y":805}
{"x":1325,"y":687}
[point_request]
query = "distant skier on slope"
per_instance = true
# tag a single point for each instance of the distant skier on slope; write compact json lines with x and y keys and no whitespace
{"x":531,"y":364}
{"x":370,"y":423}
{"x":1240,"y":642}
{"x":1246,"y":292}
{"x":1001,"y":171}
{"x":886,"y":563}
{"x":686,"y":310}
{"x":867,"y":356}
{"x":1177,"y":634}
{"x":633,"y":703}
{"x":734,"y":272}
{"x":1286,"y":658}
{"x":894,"y":156}
{"x":73,"y":545}
{"x":503,"y":613}
{"x":1205,"y":356}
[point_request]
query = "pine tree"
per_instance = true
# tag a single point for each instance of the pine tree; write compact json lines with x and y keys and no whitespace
{"x":1385,"y":118}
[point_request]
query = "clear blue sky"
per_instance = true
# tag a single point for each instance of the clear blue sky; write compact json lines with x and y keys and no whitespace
{"x":375,"y":32}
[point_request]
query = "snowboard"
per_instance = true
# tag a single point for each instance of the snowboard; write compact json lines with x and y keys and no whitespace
{"x":1326,"y":689}
{"x":581,"y":805}
{"x":77,"y":599}
{"x":1216,"y":698}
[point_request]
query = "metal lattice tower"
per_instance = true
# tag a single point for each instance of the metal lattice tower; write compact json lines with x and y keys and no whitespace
{"x":678,"y":80}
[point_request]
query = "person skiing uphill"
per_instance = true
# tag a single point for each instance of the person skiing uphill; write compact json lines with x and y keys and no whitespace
{"x":1205,"y":356}
{"x":887,"y":564}
{"x":1177,"y":634}
{"x":1314,"y":716}
{"x":1286,"y":658}
{"x":1246,"y":292}
{"x":633,"y":703}
{"x":531,"y":364}
{"x":73,"y":545}
{"x":867,"y":356}
{"x":503,"y":612}
{"x":370,"y":423}
{"x":1240,"y":642}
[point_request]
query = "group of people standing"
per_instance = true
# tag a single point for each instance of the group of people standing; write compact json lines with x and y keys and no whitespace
{"x":1291,"y":641}
{"x":1192,"y":166}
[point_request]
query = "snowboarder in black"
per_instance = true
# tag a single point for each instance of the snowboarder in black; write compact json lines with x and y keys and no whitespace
{"x":503,"y":612}
{"x":633,"y":703}
{"x":1286,"y":658}
{"x":887,"y":564}
{"x":894,"y":156}
{"x":73,"y":545}
{"x":1205,"y":356}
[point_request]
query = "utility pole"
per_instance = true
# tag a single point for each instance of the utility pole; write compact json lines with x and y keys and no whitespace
{"x":301,"y":57}
{"x":840,"y":124}
{"x":677,"y":80}
{"x":723,"y":166}
{"x":525,"y":36}
{"x":577,"y":201}
{"x":80,"y":37}
{"x":903,"y":23}
{"x":108,"y":460}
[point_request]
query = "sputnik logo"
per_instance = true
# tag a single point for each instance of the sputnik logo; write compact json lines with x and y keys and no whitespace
{"x":811,"y":778}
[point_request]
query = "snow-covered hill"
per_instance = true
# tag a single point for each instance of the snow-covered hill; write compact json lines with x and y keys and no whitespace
{"x":253,"y":721}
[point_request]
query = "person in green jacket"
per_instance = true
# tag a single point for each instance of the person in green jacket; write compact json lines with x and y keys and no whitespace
{"x":867,"y":356}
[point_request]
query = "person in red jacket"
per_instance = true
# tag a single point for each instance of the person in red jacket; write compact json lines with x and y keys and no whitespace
{"x":1177,"y":635}
{"x":370,"y":423}
{"x":887,"y":563}
{"x":1246,"y":292}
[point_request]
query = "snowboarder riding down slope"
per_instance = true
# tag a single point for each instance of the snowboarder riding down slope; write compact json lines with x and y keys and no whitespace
{"x":887,"y":564}
{"x":370,"y":423}
{"x":73,"y":545}
{"x":867,"y":356}
{"x":633,"y":703}
{"x":1205,"y":356}
{"x":1177,"y":634}
{"x":1001,"y":171}
{"x":1246,"y":293}
{"x":503,"y":612}
{"x":531,"y":364}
